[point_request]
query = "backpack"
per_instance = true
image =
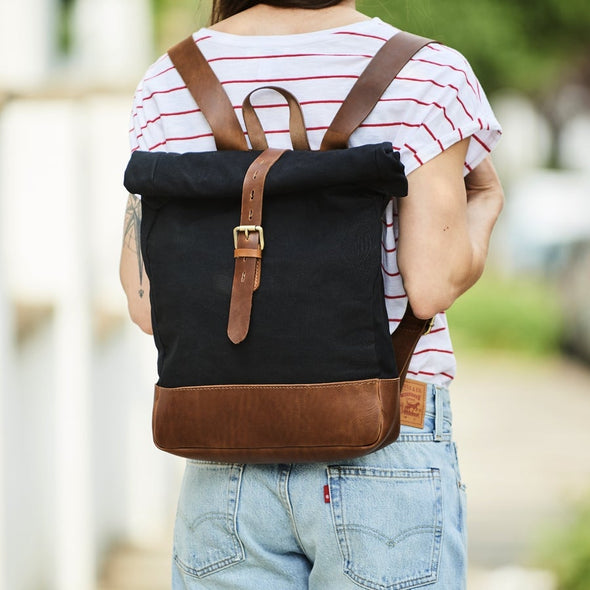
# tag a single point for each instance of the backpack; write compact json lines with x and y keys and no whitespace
{"x":271,"y":328}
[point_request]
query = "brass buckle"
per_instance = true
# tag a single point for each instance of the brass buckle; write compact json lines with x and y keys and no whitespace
{"x":247,"y":229}
{"x":429,"y":326}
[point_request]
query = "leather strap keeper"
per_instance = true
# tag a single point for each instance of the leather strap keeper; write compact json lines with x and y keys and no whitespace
{"x":320,"y":422}
{"x":247,"y":253}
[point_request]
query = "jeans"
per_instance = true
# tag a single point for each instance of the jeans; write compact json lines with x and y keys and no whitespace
{"x":392,"y":520}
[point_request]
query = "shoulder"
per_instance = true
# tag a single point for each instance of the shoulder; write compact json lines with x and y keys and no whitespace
{"x":434,"y":62}
{"x":159,"y":75}
{"x":441,"y":76}
{"x":162,"y":74}
{"x":446,"y":62}
{"x":444,"y":65}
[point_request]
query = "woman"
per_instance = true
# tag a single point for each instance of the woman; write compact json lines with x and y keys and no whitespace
{"x":395,"y":518}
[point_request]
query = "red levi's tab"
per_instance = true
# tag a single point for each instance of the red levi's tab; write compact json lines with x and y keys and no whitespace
{"x":327,"y":494}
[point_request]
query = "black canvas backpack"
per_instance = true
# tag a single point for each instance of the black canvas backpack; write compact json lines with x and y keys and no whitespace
{"x":266,"y":286}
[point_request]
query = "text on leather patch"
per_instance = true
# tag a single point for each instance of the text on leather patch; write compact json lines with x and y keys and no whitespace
{"x":413,"y":403}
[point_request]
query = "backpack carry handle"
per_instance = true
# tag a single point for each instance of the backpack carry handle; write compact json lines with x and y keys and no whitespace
{"x":296,"y":122}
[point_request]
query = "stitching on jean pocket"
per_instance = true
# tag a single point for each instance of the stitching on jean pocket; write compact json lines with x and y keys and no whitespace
{"x":205,"y":533}
{"x":389,"y":525}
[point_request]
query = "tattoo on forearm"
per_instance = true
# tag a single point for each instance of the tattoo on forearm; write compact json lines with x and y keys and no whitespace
{"x":131,"y":233}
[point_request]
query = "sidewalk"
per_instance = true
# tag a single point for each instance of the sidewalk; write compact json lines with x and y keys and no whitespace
{"x":522,"y":428}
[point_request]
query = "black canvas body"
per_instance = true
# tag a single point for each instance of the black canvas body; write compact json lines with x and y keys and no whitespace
{"x":319,"y":314}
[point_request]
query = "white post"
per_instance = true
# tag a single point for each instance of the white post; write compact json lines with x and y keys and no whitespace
{"x":5,"y":387}
{"x":112,"y":40}
{"x":27,"y":42}
{"x":73,"y":344}
{"x":74,"y":527}
{"x":45,"y":230}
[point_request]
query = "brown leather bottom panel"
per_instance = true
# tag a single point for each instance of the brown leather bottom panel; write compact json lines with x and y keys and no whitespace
{"x":277,"y":423}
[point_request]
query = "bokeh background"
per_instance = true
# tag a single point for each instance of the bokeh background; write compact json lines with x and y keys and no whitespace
{"x":86,"y":502}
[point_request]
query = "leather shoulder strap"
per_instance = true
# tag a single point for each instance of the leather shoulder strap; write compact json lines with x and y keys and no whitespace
{"x":364,"y":95}
{"x":405,"y":338}
{"x":209,"y":94}
{"x":372,"y":83}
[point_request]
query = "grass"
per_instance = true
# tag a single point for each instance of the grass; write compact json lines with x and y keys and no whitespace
{"x":516,"y":314}
{"x":566,"y":549}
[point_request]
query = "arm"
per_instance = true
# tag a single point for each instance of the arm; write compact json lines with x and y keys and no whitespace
{"x":131,"y":269}
{"x":445,"y":227}
{"x":485,"y":199}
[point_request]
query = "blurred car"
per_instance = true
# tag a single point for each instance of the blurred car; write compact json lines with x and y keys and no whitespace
{"x":547,"y":228}
{"x":575,"y":293}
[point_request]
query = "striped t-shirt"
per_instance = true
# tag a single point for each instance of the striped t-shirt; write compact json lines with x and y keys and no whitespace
{"x":434,"y":102}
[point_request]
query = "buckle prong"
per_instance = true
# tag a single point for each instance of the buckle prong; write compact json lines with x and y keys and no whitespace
{"x":429,"y":326}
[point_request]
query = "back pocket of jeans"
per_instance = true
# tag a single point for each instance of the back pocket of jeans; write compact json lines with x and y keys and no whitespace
{"x":389,"y":525}
{"x":205,"y":532}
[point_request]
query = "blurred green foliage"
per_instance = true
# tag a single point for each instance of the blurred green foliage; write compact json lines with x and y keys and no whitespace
{"x":526,"y":45}
{"x":176,"y":19}
{"x":566,"y":550}
{"x":530,"y":46}
{"x":517,"y":314}
{"x":64,"y":23}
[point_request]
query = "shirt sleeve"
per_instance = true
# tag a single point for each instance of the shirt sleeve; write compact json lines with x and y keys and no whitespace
{"x":137,"y":122}
{"x":145,"y":130}
{"x":442,"y":104}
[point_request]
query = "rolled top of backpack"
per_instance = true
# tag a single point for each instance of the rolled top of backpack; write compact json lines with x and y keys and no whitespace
{"x":220,"y":174}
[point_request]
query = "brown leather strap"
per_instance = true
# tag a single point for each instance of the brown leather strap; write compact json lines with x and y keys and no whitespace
{"x":372,"y":83}
{"x":405,"y":338}
{"x":249,"y":236}
{"x":209,"y":95}
{"x":296,"y":123}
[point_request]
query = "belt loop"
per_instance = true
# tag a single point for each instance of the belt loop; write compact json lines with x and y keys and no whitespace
{"x":439,"y":413}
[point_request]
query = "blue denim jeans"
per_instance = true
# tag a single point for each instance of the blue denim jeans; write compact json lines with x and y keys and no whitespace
{"x":391,"y":520}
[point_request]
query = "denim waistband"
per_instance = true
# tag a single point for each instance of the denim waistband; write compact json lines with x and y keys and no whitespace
{"x":437,"y":419}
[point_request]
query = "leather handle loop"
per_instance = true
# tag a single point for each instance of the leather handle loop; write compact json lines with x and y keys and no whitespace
{"x":296,"y":123}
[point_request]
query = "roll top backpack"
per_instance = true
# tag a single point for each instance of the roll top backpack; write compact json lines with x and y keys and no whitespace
{"x":266,"y":286}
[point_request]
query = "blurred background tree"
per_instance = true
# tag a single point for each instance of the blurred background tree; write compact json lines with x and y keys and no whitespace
{"x":526,"y":45}
{"x":532,"y":46}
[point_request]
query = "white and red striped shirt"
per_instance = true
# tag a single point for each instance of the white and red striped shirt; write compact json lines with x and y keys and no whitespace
{"x":435,"y":101}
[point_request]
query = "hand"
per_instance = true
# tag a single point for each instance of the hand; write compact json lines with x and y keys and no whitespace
{"x":483,"y":183}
